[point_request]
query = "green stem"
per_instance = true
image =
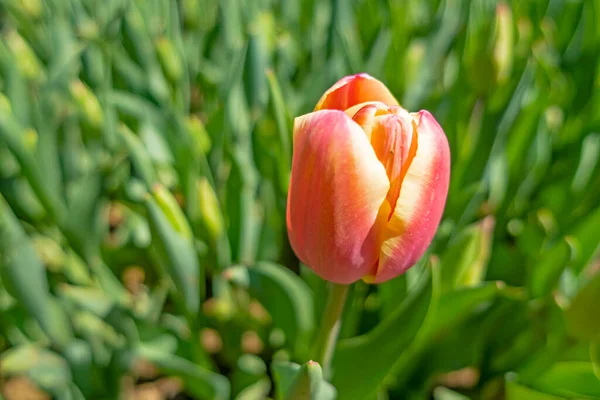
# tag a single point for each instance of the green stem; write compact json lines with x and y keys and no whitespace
{"x":330,"y":326}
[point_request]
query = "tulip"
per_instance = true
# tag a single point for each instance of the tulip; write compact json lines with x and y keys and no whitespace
{"x":368,"y":185}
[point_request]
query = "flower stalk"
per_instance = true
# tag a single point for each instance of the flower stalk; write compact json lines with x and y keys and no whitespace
{"x":330,"y":326}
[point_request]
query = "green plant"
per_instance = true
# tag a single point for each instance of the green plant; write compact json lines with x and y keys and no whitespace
{"x":145,"y":151}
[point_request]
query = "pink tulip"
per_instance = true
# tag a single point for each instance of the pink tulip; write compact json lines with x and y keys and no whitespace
{"x":369,"y":183}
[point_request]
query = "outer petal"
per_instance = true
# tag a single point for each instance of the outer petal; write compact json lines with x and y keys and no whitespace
{"x":421,"y":202}
{"x":337,"y":189}
{"x":355,"y":89}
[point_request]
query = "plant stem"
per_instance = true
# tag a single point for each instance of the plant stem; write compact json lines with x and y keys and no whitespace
{"x":330,"y":326}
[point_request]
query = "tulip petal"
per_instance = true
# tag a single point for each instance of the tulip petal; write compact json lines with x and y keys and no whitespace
{"x":336,"y":210}
{"x":421,"y":202}
{"x":395,"y":143}
{"x":355,"y":89}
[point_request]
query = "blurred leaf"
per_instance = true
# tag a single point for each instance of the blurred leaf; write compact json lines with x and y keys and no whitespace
{"x":570,"y":379}
{"x":297,"y":382}
{"x":548,"y":268}
{"x":595,"y":357}
{"x":24,"y":276}
{"x":284,"y":295}
{"x":442,"y":393}
{"x":20,"y":141}
{"x":577,"y":314}
{"x":257,"y":62}
{"x":464,"y":261}
{"x":241,"y":208}
{"x":46,"y":368}
{"x":139,"y":156}
{"x":249,"y":376}
{"x":197,"y":380}
{"x":258,"y":390}
{"x":166,"y":221}
{"x":515,"y":391}
{"x":379,"y":349}
{"x":585,"y":240}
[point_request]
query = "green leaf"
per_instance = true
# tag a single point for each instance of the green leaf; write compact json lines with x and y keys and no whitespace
{"x":552,"y":262}
{"x":24,"y":276}
{"x":257,"y":390}
{"x":20,"y":142}
{"x":44,"y":367}
{"x":305,"y":382}
{"x":450,"y":311}
{"x":595,"y":357}
{"x":284,"y":295}
{"x":257,"y":61}
{"x":379,"y":349}
{"x":465,"y":260}
{"x":80,"y":358}
{"x":250,"y":369}
{"x":442,"y":393}
{"x":282,"y":119}
{"x":140,"y":157}
{"x":178,"y":249}
{"x":284,"y":373}
{"x":579,"y":315}
{"x":570,"y":379}
{"x":198,"y":381}
{"x":515,"y":391}
{"x":586,"y":239}
{"x":242,"y":209}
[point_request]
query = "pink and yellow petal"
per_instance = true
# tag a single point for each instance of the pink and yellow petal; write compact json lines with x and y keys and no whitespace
{"x":421,"y":202}
{"x":335,"y":216}
{"x":355,"y":89}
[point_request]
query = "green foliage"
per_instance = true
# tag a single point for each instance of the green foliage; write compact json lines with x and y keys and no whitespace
{"x":145,"y":152}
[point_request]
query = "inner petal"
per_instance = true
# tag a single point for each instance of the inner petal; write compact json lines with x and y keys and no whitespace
{"x":394,"y":140}
{"x":392,"y":132}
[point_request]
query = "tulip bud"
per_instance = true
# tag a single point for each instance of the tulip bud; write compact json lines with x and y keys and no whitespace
{"x":168,"y":204}
{"x":87,"y":103}
{"x":169,"y":59}
{"x":33,"y":9}
{"x":200,"y":137}
{"x":26,"y":59}
{"x":210,"y":209}
{"x":369,"y":183}
{"x":503,"y":48}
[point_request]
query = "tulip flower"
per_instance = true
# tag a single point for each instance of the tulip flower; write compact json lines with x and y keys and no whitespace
{"x":368,"y":185}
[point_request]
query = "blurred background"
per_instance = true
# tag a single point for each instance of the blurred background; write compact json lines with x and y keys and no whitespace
{"x":145,"y":152}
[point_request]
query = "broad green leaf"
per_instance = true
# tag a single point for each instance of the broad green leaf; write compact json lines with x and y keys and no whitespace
{"x":580,"y":314}
{"x":300,"y":382}
{"x":257,"y":390}
{"x":197,"y":380}
{"x":24,"y":277}
{"x":450,"y":311}
{"x":181,"y":261}
{"x":515,"y":391}
{"x":379,"y":349}
{"x":284,"y":295}
{"x":249,"y":370}
{"x":464,"y":261}
{"x":257,"y":61}
{"x":548,"y":268}
{"x":586,"y":240}
{"x":20,"y":141}
{"x":140,"y":157}
{"x":595,"y":357}
{"x":241,"y":207}
{"x":46,"y":368}
{"x":284,"y":373}
{"x":442,"y":393}
{"x":570,"y":379}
